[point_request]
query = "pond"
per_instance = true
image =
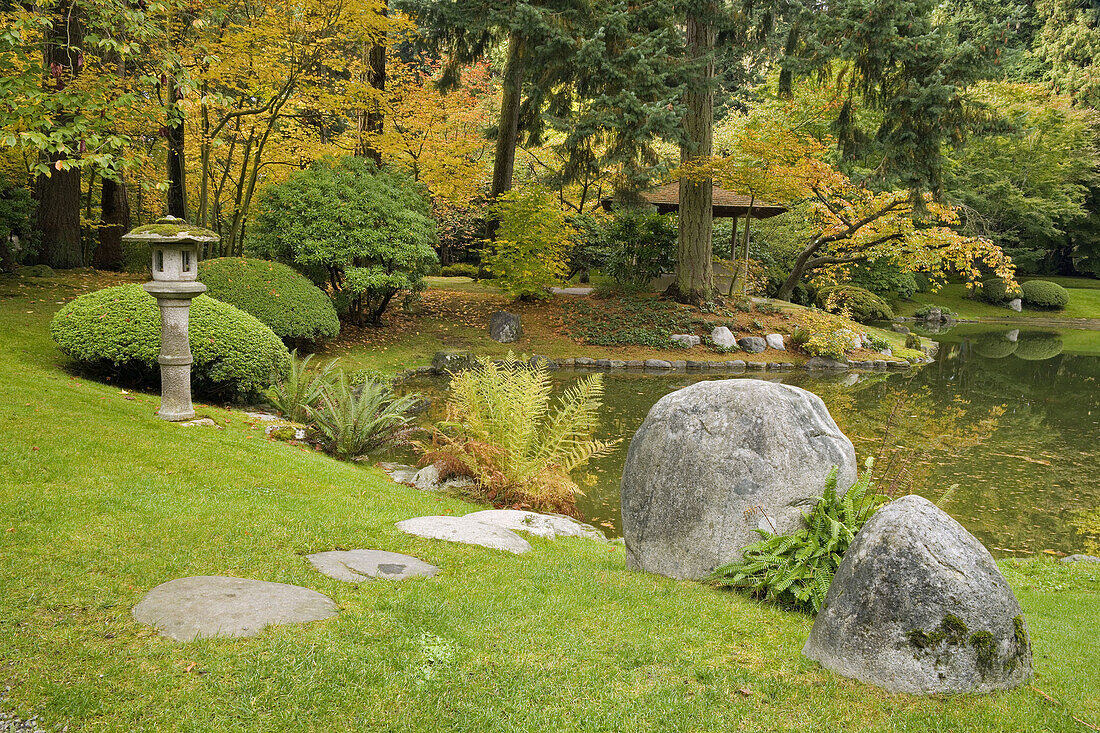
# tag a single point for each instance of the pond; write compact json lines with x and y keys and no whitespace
{"x":1002,"y":431}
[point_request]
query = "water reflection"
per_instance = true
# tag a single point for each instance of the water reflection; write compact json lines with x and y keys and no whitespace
{"x":1010,"y":417}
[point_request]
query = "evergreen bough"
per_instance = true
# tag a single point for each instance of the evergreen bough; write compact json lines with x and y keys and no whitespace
{"x":279,"y":296}
{"x":116,"y":331}
{"x":795,"y":570}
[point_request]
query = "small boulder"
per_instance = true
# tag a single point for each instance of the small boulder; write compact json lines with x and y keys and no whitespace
{"x":504,"y":327}
{"x":1013,"y":335}
{"x":919,"y":606}
{"x":1016,"y":305}
{"x":686,"y":339}
{"x":752,"y":344}
{"x":722,"y":336}
{"x":657,"y":364}
{"x":539,"y":361}
{"x":824,"y":362}
{"x":898,"y":328}
{"x":775,"y":341}
{"x":452,"y":361}
{"x":1079,"y":558}
{"x":717,"y":460}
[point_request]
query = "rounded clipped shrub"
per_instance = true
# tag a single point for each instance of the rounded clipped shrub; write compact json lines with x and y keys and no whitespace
{"x":863,"y":305}
{"x":995,"y":290}
{"x":116,"y":331}
{"x":994,"y":346}
{"x":1044,"y":294}
{"x":1039,"y":346}
{"x":280,"y":296}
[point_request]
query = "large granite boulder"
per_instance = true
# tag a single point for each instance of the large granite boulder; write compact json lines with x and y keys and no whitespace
{"x":505,"y":327}
{"x":919,"y":606}
{"x":716,"y":460}
{"x":722,"y":336}
{"x":752,"y":344}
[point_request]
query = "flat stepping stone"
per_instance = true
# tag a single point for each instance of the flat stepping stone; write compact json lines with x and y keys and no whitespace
{"x":540,"y":525}
{"x":572,"y":291}
{"x":355,"y":566}
{"x":209,"y":606}
{"x":466,"y":531}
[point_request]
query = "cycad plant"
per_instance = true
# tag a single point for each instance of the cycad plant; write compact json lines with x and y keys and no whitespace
{"x":352,"y":421}
{"x":795,"y":570}
{"x":300,"y":389}
{"x":520,"y":445}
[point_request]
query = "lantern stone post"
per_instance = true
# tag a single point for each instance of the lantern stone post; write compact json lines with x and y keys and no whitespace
{"x":175,"y":247}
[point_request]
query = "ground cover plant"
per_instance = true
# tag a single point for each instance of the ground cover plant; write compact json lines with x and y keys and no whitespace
{"x":280,"y":297}
{"x":115,"y":332}
{"x":631,"y":321}
{"x":84,"y":535}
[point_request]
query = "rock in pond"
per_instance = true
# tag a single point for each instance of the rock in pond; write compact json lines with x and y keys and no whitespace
{"x":505,"y":327}
{"x":452,"y":361}
{"x":716,"y":460}
{"x":355,"y":566}
{"x":919,"y":606}
{"x":203,"y":607}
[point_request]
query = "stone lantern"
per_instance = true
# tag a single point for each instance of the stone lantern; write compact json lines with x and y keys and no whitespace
{"x":175,"y":247}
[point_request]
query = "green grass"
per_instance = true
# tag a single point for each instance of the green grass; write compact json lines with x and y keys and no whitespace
{"x":1084,"y":302}
{"x":100,"y":501}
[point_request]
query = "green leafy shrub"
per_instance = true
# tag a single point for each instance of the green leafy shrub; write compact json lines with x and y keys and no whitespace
{"x":503,"y":429}
{"x":364,"y":232}
{"x":795,"y":570}
{"x":821,"y":334}
{"x":116,"y":331}
{"x":352,"y":421}
{"x":300,"y":388}
{"x":637,"y":246}
{"x":1039,"y":346}
{"x":460,"y":269}
{"x":862,"y":305}
{"x":884,"y":278}
{"x":17,"y":224}
{"x":924,"y":310}
{"x":1044,"y":294}
{"x":532,"y":238}
{"x":994,"y":346}
{"x":291,"y":306}
{"x":879,"y":342}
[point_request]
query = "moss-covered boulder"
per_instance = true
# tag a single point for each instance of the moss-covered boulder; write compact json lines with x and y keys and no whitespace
{"x":116,"y":332}
{"x":919,"y":606}
{"x":280,"y":296}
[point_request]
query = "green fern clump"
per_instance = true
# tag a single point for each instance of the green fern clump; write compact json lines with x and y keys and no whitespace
{"x":351,"y":421}
{"x":300,"y":389}
{"x":504,"y":430}
{"x":795,"y":570}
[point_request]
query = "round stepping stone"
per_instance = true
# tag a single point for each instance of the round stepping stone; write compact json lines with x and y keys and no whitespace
{"x":540,"y":525}
{"x":466,"y":531}
{"x":355,"y":566}
{"x":208,"y":606}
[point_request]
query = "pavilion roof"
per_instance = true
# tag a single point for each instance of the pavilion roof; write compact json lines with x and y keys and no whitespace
{"x":725,"y":203}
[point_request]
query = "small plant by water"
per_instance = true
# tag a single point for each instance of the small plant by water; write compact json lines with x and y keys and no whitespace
{"x":300,"y":389}
{"x":352,"y":421}
{"x":519,"y":445}
{"x":796,"y":570}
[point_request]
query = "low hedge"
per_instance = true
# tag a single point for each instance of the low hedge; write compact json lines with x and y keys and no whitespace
{"x":278,"y":295}
{"x":863,"y":305}
{"x":1044,"y":294}
{"x":995,"y":290}
{"x":116,"y":331}
{"x":460,"y":269}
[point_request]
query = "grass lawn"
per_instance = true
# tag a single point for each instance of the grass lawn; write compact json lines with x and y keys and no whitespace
{"x":1084,"y":302}
{"x":100,"y":501}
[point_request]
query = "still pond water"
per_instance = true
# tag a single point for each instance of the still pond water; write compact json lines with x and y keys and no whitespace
{"x":1003,"y":434}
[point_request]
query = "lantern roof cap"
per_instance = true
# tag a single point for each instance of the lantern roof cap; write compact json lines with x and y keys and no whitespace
{"x":170,"y":230}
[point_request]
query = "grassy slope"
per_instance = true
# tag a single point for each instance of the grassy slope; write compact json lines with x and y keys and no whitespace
{"x":99,"y":501}
{"x":1084,"y":302}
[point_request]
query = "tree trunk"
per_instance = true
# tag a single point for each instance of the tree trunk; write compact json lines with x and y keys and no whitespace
{"x":58,"y":194}
{"x":376,"y":76}
{"x":177,"y":169}
{"x":508,"y":129}
{"x":695,"y":249}
{"x":748,"y":229}
{"x":115,"y":212}
{"x":797,"y":273}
